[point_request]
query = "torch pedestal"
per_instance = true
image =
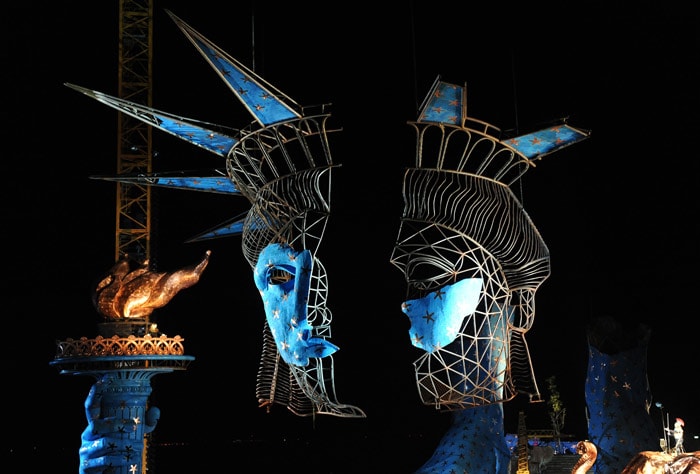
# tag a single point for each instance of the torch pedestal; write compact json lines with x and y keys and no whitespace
{"x":124,"y":366}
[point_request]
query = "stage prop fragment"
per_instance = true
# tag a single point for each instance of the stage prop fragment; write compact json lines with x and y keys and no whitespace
{"x":128,"y":352}
{"x":618,"y":396}
{"x":472,"y":261}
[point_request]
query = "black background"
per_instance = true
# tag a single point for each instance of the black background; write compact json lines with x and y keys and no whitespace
{"x":619,"y":211}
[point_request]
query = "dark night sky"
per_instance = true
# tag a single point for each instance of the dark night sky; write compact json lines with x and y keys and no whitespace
{"x":619,"y":211}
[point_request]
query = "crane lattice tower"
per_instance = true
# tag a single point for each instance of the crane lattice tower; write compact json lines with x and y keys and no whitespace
{"x":134,"y":147}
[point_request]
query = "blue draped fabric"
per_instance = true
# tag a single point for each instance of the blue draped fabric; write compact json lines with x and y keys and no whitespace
{"x":475,"y":443}
{"x":617,"y":397}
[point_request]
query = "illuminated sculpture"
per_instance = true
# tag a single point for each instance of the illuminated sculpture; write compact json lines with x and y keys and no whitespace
{"x":471,"y":257}
{"x":131,"y":291}
{"x":123,"y":359}
{"x":617,"y":393}
{"x":282,"y":164}
{"x":588,"y":453}
{"x":472,"y":261}
{"x":655,"y":462}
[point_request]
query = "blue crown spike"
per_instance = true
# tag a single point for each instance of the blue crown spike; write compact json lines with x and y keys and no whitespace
{"x":185,"y":129}
{"x":209,"y":184}
{"x":443,"y":115}
{"x":228,"y":228}
{"x":445,"y":103}
{"x":267,"y":104}
{"x":537,"y":145}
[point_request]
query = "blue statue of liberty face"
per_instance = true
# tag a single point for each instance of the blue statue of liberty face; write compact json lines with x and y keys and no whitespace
{"x":436,"y":319}
{"x":283,"y":277}
{"x":458,"y":308}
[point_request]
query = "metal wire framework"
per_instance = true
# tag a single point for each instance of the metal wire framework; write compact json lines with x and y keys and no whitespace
{"x":460,"y":220}
{"x":282,"y":164}
{"x":285,"y":171}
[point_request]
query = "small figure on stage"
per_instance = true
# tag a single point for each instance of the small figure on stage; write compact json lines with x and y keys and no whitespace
{"x":677,"y":433}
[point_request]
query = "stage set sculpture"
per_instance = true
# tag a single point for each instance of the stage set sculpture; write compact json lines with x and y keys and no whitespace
{"x":472,"y":261}
{"x":281,"y":163}
{"x":659,"y":462}
{"x":588,"y":453}
{"x":470,"y":256}
{"x":618,"y":400}
{"x":128,"y":352}
{"x":618,"y":395}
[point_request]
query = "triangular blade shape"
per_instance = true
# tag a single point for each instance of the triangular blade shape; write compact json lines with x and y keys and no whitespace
{"x":182,"y":128}
{"x":266,"y":103}
{"x":209,"y":184}
{"x":227,"y":229}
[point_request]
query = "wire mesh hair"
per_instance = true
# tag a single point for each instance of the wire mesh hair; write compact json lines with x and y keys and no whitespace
{"x":461,"y":220}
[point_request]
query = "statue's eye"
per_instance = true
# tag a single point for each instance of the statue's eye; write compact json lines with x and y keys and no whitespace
{"x":281,"y":276}
{"x":429,"y":271}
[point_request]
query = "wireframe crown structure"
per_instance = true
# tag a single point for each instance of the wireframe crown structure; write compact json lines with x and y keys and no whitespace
{"x":465,"y":144}
{"x":460,"y":221}
{"x":281,"y":163}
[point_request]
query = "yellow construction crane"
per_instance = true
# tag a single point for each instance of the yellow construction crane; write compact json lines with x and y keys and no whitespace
{"x":134,"y":147}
